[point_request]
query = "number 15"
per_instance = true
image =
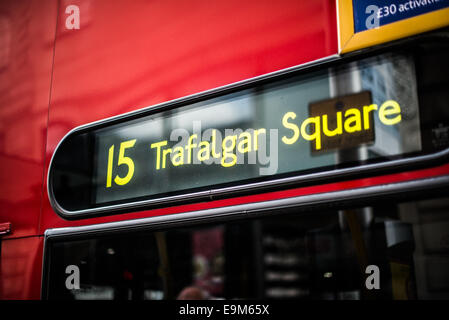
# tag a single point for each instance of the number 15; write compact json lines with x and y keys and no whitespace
{"x":121,"y":160}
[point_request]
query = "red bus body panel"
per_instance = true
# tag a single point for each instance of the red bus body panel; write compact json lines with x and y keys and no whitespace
{"x":21,"y":268}
{"x":27,"y":31}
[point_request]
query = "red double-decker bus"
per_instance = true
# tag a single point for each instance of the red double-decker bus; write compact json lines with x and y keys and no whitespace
{"x":224,"y":150}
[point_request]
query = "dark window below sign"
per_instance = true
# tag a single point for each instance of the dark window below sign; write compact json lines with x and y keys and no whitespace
{"x":315,"y":255}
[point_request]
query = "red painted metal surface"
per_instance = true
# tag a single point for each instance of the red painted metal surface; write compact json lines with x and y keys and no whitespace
{"x":21,"y":268}
{"x":27,"y":31}
{"x":122,"y":60}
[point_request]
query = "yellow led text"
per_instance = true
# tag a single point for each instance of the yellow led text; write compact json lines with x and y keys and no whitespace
{"x":203,"y":150}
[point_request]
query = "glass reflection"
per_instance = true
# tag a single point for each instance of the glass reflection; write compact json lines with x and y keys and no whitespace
{"x":287,"y":255}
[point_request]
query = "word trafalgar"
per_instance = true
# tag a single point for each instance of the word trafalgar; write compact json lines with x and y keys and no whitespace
{"x":243,"y":142}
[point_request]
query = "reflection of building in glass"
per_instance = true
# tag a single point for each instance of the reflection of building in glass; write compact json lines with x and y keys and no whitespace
{"x":393,"y":78}
{"x":285,"y":263}
{"x":208,"y":260}
{"x":288,"y":255}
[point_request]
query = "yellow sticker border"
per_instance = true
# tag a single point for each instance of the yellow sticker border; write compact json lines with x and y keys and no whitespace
{"x":350,"y":41}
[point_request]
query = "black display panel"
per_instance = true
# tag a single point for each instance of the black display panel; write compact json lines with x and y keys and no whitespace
{"x":352,"y":116}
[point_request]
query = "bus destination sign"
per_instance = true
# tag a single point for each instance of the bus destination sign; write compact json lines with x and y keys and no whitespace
{"x":286,"y":128}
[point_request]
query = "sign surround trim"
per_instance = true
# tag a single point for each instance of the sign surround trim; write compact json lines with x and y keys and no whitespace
{"x":349,"y":40}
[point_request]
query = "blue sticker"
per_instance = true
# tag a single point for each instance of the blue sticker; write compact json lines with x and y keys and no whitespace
{"x":369,"y":14}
